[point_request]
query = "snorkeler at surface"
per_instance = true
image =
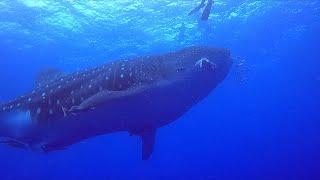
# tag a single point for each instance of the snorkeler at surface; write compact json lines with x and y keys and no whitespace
{"x":206,"y":11}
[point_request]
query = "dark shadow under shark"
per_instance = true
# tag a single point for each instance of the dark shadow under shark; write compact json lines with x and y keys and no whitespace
{"x":135,"y":95}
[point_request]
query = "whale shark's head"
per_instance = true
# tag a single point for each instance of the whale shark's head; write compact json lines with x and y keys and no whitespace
{"x":203,"y":65}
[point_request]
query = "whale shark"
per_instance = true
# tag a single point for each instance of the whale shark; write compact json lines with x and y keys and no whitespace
{"x":137,"y":95}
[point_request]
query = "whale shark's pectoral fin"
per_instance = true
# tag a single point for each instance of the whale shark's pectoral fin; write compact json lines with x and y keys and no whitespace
{"x":100,"y":98}
{"x":148,"y":139}
{"x":74,"y":110}
{"x":92,"y":102}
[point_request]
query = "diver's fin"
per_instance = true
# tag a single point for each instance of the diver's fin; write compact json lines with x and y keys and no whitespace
{"x":207,"y":10}
{"x":148,"y":138}
{"x":197,"y":8}
{"x":47,"y":74}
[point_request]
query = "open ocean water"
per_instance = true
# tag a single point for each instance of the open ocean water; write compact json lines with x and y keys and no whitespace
{"x":261,"y":123}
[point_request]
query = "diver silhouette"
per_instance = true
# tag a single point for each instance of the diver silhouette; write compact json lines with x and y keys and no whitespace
{"x":206,"y":11}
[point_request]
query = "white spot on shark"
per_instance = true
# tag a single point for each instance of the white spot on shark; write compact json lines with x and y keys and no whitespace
{"x":38,"y":111}
{"x":121,"y":75}
{"x":29,"y":99}
{"x":50,"y":111}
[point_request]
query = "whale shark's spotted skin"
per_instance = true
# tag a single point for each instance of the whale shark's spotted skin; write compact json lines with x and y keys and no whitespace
{"x":49,"y":99}
{"x":135,"y":95}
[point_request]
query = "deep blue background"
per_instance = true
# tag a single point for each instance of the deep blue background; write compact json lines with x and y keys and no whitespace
{"x":266,"y":127}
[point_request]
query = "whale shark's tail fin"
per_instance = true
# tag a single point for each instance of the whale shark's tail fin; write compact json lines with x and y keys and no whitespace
{"x":13,"y":123}
{"x":14,"y":143}
{"x":10,"y":115}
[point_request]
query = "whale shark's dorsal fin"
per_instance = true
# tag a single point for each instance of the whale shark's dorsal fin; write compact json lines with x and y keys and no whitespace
{"x":148,"y":138}
{"x":47,"y":74}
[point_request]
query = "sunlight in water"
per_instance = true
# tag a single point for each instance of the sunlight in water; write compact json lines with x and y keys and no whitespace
{"x":140,"y":24}
{"x":35,"y":3}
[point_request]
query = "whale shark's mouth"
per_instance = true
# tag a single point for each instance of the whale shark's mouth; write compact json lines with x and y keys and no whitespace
{"x":205,"y":63}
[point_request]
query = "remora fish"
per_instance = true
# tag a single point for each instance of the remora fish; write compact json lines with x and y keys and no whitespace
{"x":135,"y":95}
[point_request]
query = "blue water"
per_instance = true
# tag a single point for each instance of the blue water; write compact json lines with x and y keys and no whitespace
{"x":262,"y":122}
